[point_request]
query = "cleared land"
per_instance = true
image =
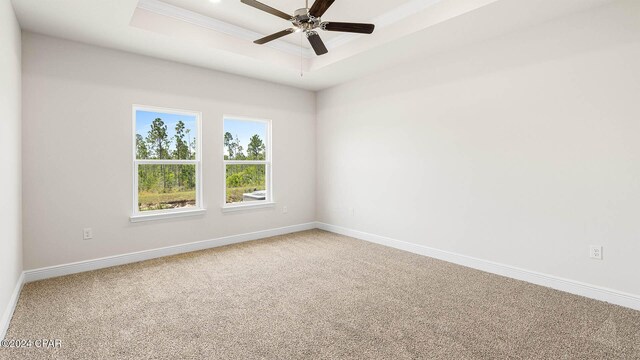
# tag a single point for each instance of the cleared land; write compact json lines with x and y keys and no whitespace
{"x":179,"y":199}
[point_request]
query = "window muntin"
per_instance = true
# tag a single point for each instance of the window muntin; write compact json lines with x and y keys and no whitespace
{"x":167,"y":160}
{"x":247,"y":162}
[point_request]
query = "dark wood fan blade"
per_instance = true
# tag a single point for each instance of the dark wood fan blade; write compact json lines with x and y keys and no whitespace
{"x":348,"y":27}
{"x":320,"y":7}
{"x":316,"y":43}
{"x":272,"y":37}
{"x":267,"y":8}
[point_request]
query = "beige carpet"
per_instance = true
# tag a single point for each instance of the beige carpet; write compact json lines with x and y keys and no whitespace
{"x":313,"y":295}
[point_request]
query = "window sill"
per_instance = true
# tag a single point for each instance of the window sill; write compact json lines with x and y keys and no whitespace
{"x":169,"y":215}
{"x":244,"y":207}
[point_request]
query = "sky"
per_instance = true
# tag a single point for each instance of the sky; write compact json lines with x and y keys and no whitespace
{"x":145,"y":118}
{"x":241,"y":129}
{"x":244,"y":130}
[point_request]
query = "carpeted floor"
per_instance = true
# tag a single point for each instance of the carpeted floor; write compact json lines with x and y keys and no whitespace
{"x":313,"y":295}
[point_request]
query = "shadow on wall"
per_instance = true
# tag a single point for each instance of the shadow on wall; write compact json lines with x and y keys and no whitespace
{"x":561,"y":38}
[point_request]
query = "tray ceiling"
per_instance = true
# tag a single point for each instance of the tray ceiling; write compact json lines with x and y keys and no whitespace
{"x":219,"y":35}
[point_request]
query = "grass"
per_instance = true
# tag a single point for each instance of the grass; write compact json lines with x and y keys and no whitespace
{"x":157,"y":201}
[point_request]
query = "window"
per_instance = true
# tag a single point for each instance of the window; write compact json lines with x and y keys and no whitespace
{"x":166,"y":157}
{"x":247,"y":162}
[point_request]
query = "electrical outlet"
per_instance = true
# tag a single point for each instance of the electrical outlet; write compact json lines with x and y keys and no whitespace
{"x":285,"y":210}
{"x":352,"y":211}
{"x":87,"y":233}
{"x":595,"y":252}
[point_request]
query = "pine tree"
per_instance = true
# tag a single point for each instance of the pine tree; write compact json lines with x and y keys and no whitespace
{"x":158,"y":141}
{"x":141,"y":148}
{"x":182,"y":147}
{"x":228,"y":143}
{"x":255,"y":150}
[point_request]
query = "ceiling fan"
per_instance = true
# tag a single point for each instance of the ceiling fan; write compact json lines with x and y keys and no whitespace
{"x":308,"y":20}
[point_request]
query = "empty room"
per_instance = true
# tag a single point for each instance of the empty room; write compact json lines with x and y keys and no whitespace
{"x":320,"y":179}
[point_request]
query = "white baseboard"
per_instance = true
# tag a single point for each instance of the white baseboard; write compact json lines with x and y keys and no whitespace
{"x":88,"y":265}
{"x":554,"y":282}
{"x":11,"y":306}
{"x":567,"y":285}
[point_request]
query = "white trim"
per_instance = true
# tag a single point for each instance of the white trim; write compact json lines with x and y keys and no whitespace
{"x":166,"y":215}
{"x":247,"y":206}
{"x":246,"y":162}
{"x":574,"y":287}
{"x":167,"y":162}
{"x":268,"y":163}
{"x":11,"y":307}
{"x":89,"y":265}
{"x":571,"y":286}
{"x":137,"y":215}
{"x":207,"y":22}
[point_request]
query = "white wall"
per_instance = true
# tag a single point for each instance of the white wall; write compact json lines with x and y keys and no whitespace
{"x":77,"y":149}
{"x":523,"y":150}
{"x":10,"y":158}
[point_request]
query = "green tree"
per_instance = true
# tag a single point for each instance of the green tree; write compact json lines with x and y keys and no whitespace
{"x":141,"y":148}
{"x":255,"y":150}
{"x":182,"y":147}
{"x":191,"y":146}
{"x":234,"y":149}
{"x":239,"y":151}
{"x":183,"y":173}
{"x":142,"y":153}
{"x":158,"y":141}
{"x":228,"y":143}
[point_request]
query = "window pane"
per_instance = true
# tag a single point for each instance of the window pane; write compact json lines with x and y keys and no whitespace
{"x":165,"y":136}
{"x":166,"y":187}
{"x":246,"y":183}
{"x":244,"y":140}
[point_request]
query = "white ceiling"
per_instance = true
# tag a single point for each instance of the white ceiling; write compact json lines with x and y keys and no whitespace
{"x":237,"y":13}
{"x":219,"y":35}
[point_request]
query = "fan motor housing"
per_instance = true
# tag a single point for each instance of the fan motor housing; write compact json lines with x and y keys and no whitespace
{"x":303,"y":20}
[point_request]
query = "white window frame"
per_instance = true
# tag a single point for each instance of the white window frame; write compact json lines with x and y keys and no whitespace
{"x":268,"y":162}
{"x":199,"y":209}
